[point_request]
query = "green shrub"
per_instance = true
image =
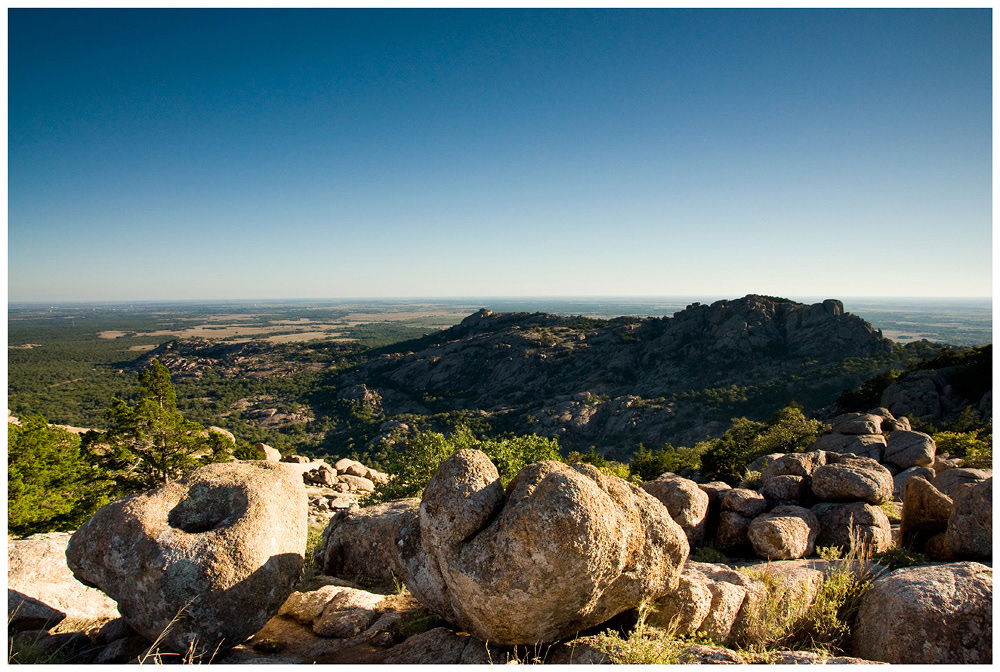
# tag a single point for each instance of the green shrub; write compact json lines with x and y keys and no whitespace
{"x":896,"y":557}
{"x":975,"y":447}
{"x":648,"y":465}
{"x":50,"y":485}
{"x":789,"y":431}
{"x":412,"y":464}
{"x":828,"y":552}
{"x":708,"y":554}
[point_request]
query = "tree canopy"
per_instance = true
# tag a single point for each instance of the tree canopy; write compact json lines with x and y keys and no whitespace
{"x":49,"y":484}
{"x":150,"y":443}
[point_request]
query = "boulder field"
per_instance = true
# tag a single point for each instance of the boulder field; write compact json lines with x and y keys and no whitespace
{"x":492,"y":572}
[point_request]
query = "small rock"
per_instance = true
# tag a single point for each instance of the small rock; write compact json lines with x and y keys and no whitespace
{"x":686,"y":502}
{"x":899,"y":480}
{"x":925,"y":512}
{"x":847,"y":478}
{"x":950,"y":480}
{"x":749,"y":503}
{"x":845,"y":524}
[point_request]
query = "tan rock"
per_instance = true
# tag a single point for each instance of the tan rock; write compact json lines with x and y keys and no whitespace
{"x":784,"y":533}
{"x":910,"y":449}
{"x":749,"y":503}
{"x":845,"y":524}
{"x":970,"y":523}
{"x":949,"y":480}
{"x":850,"y":478}
{"x":565,"y":548}
{"x":36,"y":568}
{"x":686,"y":502}
{"x":222,"y":546}
{"x":930,"y":614}
{"x":356,"y":483}
{"x":925,"y":512}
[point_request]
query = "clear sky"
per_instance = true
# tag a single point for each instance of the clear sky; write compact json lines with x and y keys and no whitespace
{"x":194,"y":154}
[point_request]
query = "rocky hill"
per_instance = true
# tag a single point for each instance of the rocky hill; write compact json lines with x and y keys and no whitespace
{"x":615,"y":383}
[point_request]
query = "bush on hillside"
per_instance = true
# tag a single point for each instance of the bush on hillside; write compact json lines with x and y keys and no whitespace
{"x":412,"y":464}
{"x":789,"y":431}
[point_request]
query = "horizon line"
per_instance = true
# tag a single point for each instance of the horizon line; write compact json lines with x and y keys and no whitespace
{"x":474,"y":298}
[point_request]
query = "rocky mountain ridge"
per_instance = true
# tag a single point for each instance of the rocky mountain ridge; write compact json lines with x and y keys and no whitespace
{"x":622,"y":381}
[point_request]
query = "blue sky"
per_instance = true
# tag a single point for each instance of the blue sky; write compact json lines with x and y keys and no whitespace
{"x":194,"y":154}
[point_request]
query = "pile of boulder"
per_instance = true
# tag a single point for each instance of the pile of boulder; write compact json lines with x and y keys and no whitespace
{"x":329,"y":488}
{"x":831,"y":496}
{"x":209,"y":567}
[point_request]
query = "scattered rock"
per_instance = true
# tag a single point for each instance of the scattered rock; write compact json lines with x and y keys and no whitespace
{"x":900,"y":479}
{"x":786,"y":487}
{"x":701,"y":654}
{"x":850,"y":478}
{"x":356,"y":483}
{"x":857,"y":423}
{"x":270,"y":454}
{"x":221,"y":546}
{"x":682,"y":611}
{"x":564,"y":549}
{"x":925,"y":512}
{"x":950,"y":480}
{"x":930,"y":614}
{"x":749,"y":503}
{"x":794,"y":464}
{"x":27,"y":613}
{"x":36,"y":567}
{"x":439,"y":646}
{"x":732,"y":531}
{"x":844,"y":524}
{"x":863,"y":445}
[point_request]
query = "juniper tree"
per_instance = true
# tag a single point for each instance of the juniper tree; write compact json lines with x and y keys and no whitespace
{"x":151,"y":443}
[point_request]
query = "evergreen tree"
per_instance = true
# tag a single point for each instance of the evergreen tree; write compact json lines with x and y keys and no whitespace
{"x":49,"y":484}
{"x":151,"y":443}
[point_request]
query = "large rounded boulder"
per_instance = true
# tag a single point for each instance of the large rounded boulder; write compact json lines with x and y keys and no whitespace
{"x":929,"y":614}
{"x":204,"y":561}
{"x":564,"y":548}
{"x":852,"y":478}
{"x":686,"y":502}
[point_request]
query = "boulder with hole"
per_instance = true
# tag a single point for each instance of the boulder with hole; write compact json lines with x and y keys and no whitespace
{"x":204,"y":561}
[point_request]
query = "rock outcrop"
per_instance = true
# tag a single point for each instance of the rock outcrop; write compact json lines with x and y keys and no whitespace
{"x":219,"y":550}
{"x":686,"y":502}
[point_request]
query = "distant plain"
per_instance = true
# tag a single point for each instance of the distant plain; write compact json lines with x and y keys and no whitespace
{"x":959,"y":321}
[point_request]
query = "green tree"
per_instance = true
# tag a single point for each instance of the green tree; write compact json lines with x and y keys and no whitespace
{"x":647,"y":465}
{"x":789,"y":431}
{"x":414,"y":463}
{"x":49,"y":484}
{"x":151,"y":443}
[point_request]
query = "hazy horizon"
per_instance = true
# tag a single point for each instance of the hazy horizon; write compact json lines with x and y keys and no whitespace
{"x":185,"y":154}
